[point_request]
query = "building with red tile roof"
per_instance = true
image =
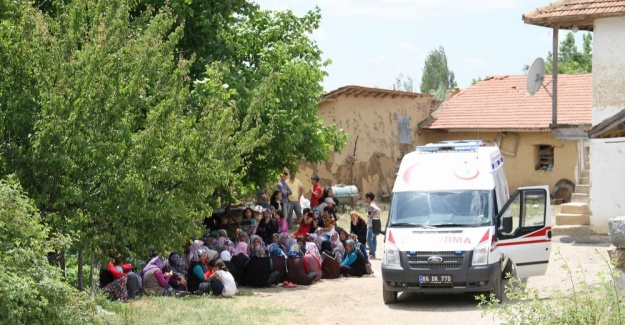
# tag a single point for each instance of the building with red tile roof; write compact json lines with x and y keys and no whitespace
{"x":502,"y":103}
{"x":579,"y":13}
{"x":500,"y":110}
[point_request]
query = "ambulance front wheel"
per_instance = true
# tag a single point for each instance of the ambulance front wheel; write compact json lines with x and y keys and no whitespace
{"x":498,"y":289}
{"x":390,"y":297}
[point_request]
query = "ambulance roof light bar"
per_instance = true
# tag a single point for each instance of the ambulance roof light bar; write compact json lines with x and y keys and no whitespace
{"x":454,"y":145}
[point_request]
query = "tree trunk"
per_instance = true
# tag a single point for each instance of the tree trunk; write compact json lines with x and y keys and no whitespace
{"x":81,"y":286}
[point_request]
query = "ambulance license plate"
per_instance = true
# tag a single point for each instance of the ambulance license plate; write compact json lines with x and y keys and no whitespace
{"x":435,"y":279}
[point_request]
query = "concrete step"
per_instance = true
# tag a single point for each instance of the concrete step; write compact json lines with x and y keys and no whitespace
{"x":585,"y":173}
{"x":582,"y":189}
{"x":571,"y":231}
{"x":584,"y":181}
{"x":580,"y":197}
{"x":567,"y":219}
{"x":575,"y":208}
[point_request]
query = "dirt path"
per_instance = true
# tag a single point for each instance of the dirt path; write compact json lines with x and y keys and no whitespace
{"x":359,"y":300}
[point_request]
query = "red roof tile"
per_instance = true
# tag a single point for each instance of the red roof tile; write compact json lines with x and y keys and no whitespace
{"x":503,"y":103}
{"x":566,"y":13}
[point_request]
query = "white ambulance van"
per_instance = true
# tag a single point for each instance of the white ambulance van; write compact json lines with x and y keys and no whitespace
{"x":454,"y":228}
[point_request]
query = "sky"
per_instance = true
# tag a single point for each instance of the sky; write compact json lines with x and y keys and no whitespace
{"x":370,"y":42}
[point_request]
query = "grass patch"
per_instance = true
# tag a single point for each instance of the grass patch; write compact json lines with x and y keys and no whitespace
{"x":243,"y":309}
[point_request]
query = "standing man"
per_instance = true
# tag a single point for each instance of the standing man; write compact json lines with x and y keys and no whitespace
{"x":373,"y":213}
{"x":315,"y":193}
{"x":298,"y":189}
{"x":284,"y":188}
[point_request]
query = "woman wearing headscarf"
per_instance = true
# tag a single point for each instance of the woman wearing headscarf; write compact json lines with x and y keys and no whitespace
{"x":301,"y":241}
{"x":278,"y":259}
{"x":259,"y":271}
{"x":155,"y":282}
{"x":319,"y":237}
{"x":284,"y":238}
{"x":257,"y":242}
{"x":238,"y":259}
{"x":196,"y":283}
{"x":297,"y":273}
{"x":226,"y":257}
{"x":337,"y":246}
{"x":193,"y":248}
{"x":354,"y":263}
{"x":313,"y":259}
{"x":180,"y":267}
{"x":275,"y":239}
{"x":330,"y":265}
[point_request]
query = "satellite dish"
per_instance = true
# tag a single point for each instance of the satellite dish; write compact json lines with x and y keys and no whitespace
{"x":535,"y":76}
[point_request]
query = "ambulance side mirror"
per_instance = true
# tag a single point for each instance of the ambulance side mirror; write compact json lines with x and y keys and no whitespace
{"x":506,"y":226}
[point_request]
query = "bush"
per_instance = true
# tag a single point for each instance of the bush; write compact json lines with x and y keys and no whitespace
{"x":32,"y":290}
{"x":585,"y":303}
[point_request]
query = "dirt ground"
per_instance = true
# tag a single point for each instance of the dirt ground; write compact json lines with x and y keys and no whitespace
{"x":359,"y":300}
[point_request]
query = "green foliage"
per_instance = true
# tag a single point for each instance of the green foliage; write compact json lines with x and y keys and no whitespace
{"x":570,"y":59}
{"x":276,"y":70}
{"x":403,"y":83}
{"x":474,"y":81}
{"x":437,"y":77}
{"x":586,"y":303}
{"x":116,"y":149}
{"x":101,"y":120}
{"x":31,"y":290}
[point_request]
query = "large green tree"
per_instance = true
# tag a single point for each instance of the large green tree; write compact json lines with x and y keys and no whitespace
{"x":437,"y":77}
{"x":120,"y":138}
{"x":109,"y":140}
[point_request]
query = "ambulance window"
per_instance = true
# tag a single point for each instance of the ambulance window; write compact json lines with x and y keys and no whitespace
{"x":513,"y":211}
{"x":534,"y":208}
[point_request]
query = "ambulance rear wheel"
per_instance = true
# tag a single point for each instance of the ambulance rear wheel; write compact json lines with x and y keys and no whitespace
{"x":390,"y":297}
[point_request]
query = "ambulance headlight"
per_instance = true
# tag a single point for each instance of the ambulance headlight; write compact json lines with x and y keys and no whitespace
{"x":391,"y":255}
{"x":480,"y":254}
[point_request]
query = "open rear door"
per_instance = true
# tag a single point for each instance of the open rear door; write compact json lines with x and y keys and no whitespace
{"x":528,"y":242}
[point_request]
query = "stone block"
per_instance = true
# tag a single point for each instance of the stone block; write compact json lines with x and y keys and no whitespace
{"x":616,"y":230}
{"x":617,"y":256}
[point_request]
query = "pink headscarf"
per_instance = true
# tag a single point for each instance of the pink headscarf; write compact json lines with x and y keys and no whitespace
{"x":154,"y":263}
{"x":197,"y":244}
{"x":241,"y":249}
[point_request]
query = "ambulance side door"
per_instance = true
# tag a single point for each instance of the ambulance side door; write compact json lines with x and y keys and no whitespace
{"x":527,"y":241}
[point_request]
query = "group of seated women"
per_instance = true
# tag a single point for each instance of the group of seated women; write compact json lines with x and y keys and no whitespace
{"x":218,"y":266}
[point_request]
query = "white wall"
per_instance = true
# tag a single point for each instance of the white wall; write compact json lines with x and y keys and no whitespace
{"x":607,"y":174}
{"x":608,"y":68}
{"x":607,"y":171}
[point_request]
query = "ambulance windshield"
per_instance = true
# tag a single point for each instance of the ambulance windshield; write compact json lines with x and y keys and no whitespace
{"x":465,"y":208}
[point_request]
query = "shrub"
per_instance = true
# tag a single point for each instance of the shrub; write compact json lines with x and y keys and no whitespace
{"x":32,"y":290}
{"x":584,"y":303}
